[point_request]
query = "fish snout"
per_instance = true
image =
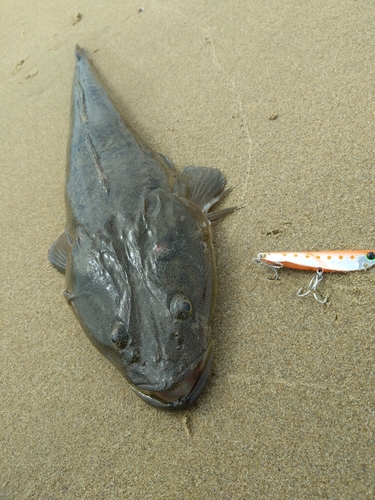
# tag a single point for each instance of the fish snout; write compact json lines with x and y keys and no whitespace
{"x":178,"y":395}
{"x":150,"y":375}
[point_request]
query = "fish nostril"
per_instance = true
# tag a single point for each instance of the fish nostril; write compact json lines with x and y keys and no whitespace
{"x":179,"y":340}
{"x":157,"y":358}
{"x":131,"y":355}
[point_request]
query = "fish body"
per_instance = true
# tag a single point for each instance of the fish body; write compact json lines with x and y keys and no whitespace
{"x":137,"y":250}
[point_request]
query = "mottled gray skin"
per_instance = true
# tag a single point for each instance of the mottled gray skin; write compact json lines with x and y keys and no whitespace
{"x":137,"y":250}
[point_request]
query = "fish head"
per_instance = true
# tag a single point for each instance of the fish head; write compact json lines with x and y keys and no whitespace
{"x":171,"y":271}
{"x":145,"y":294}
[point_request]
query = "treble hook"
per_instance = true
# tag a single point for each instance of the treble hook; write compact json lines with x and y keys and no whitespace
{"x":314,"y":282}
{"x":275,"y":267}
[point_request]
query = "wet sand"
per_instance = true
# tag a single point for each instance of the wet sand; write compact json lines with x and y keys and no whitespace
{"x":289,"y":409}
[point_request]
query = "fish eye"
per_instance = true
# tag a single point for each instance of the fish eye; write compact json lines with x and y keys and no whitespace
{"x":119,"y":336}
{"x":181,"y":307}
{"x":371,"y":256}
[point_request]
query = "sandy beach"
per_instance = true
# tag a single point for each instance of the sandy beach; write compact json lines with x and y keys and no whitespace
{"x":279,"y":96}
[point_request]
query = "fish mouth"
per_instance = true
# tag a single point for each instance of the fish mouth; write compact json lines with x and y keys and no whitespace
{"x":186,"y":392}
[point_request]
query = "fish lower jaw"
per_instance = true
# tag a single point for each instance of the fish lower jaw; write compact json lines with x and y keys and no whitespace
{"x":186,"y":392}
{"x":183,"y":388}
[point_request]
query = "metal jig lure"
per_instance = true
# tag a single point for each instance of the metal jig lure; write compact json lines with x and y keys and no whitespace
{"x":330,"y":261}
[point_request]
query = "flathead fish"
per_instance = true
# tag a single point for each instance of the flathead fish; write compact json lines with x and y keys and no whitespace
{"x":137,"y":250}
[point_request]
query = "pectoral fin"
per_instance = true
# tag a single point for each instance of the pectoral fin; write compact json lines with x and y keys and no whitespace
{"x":58,"y":252}
{"x":204,"y":186}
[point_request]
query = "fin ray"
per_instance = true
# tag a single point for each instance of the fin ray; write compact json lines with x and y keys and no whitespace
{"x":58,"y":252}
{"x":204,"y":186}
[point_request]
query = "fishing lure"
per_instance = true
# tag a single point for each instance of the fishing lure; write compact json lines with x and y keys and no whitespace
{"x":329,"y":261}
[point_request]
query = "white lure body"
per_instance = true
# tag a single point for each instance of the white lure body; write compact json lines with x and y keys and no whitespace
{"x":340,"y":261}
